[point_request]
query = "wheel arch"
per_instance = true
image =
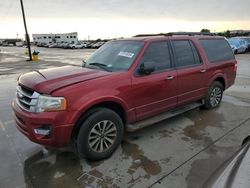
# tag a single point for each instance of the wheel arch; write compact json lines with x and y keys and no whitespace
{"x":222,"y":81}
{"x":219,"y":78}
{"x":109,"y":104}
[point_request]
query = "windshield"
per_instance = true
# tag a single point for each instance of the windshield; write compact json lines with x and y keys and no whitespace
{"x":115,"y":55}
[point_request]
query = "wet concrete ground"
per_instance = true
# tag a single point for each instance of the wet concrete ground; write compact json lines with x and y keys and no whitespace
{"x":180,"y":152}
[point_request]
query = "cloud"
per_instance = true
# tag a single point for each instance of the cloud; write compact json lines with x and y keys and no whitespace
{"x":110,"y":18}
{"x":203,"y":10}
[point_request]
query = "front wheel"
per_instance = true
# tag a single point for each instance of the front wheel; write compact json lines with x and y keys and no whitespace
{"x":100,"y":134}
{"x":214,"y":95}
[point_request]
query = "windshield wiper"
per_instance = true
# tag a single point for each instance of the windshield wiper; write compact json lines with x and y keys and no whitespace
{"x":101,"y":65}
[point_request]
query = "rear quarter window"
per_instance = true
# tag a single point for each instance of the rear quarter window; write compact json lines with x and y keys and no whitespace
{"x":217,"y":50}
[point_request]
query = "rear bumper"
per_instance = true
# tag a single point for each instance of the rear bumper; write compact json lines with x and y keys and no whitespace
{"x":26,"y":122}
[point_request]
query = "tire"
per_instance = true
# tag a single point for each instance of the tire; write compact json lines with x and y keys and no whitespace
{"x":214,"y":96}
{"x":95,"y":144}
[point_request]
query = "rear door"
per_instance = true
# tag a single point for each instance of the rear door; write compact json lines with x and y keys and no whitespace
{"x":191,"y":72}
{"x":156,"y":92}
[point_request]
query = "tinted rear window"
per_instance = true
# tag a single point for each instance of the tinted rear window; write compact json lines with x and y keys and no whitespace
{"x":186,"y":53}
{"x":217,"y":50}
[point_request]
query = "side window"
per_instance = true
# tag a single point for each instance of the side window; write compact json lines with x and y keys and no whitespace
{"x":217,"y":50}
{"x":186,"y":53}
{"x":158,"y":52}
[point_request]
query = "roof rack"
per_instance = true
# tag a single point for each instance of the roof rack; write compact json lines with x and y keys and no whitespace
{"x":191,"y":33}
{"x":150,"y":35}
{"x":177,"y":33}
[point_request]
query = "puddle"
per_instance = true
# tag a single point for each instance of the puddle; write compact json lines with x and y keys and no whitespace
{"x":166,"y":133}
{"x":60,"y":169}
{"x":131,"y":167}
{"x":201,"y":121}
{"x":63,"y":169}
{"x":133,"y":151}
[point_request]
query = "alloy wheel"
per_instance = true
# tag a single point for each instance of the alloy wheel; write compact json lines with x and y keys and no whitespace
{"x":102,"y":136}
{"x":215,"y":96}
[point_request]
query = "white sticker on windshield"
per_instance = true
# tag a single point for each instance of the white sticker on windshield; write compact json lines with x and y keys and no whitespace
{"x":126,"y":54}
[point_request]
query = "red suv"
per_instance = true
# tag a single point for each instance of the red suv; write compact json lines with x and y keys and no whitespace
{"x":125,"y":85}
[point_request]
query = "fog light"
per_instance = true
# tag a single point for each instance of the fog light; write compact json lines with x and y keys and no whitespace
{"x":45,"y":131}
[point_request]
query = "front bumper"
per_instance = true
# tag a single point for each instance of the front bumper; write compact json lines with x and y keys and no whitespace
{"x":27,"y":122}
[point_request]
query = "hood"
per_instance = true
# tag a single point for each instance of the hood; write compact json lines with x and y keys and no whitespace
{"x":48,"y":80}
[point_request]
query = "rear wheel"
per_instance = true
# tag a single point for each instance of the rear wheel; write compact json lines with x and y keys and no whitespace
{"x":214,"y":95}
{"x":100,"y":134}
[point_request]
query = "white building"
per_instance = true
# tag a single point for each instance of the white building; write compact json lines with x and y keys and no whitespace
{"x":55,"y":38}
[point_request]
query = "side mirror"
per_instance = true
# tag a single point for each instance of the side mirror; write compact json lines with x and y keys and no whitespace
{"x":147,"y":67}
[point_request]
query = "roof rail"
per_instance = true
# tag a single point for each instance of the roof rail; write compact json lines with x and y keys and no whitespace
{"x":177,"y":33}
{"x":150,"y":35}
{"x":191,"y":33}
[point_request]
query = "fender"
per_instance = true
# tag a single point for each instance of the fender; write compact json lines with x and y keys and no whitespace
{"x":86,"y":104}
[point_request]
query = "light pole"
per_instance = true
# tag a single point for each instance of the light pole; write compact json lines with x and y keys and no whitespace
{"x":26,"y":31}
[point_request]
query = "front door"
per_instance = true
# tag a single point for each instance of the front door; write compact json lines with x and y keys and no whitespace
{"x":156,"y":92}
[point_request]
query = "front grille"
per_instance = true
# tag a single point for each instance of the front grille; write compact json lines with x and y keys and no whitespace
{"x":26,"y":98}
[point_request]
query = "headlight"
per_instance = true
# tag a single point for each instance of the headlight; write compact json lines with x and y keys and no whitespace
{"x":48,"y":104}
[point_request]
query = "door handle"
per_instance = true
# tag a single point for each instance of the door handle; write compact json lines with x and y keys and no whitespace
{"x":170,"y":77}
{"x":203,"y":70}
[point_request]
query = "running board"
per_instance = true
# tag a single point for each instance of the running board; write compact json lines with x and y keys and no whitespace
{"x":163,"y":116}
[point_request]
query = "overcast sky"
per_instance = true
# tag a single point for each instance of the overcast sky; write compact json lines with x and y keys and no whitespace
{"x":107,"y":19}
